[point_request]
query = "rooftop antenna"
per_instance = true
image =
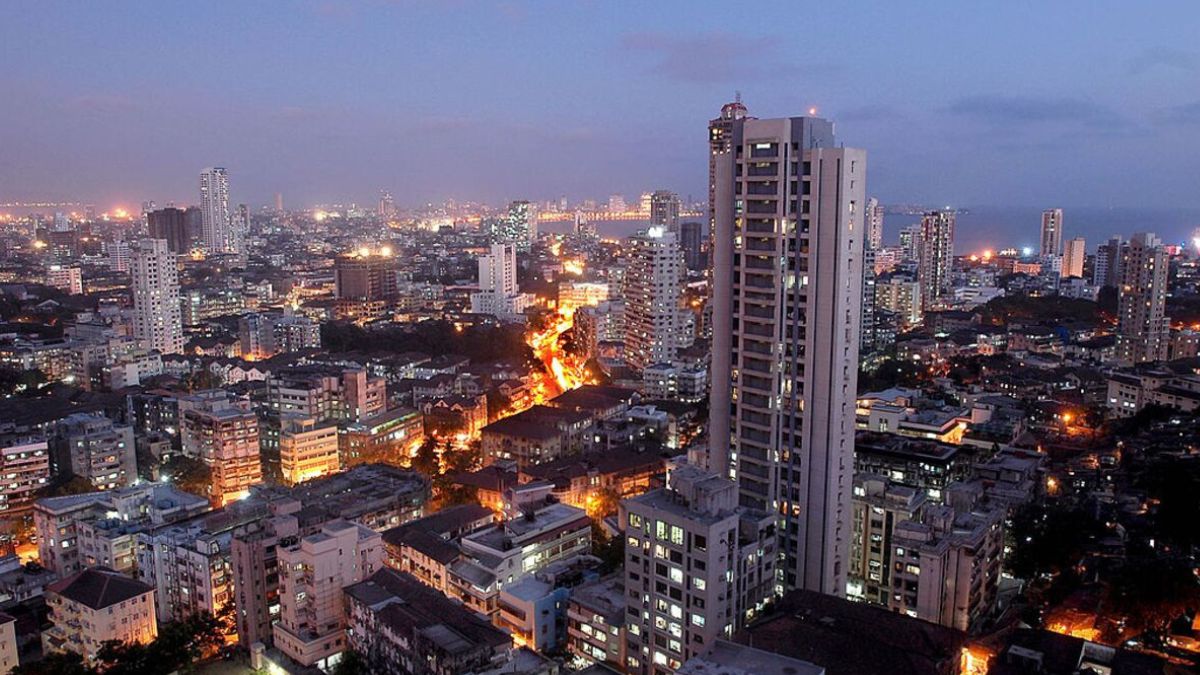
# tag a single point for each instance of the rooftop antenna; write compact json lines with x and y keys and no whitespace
{"x":737,"y":96}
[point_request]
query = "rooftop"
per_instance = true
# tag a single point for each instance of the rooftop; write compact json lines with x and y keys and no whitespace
{"x":408,"y":607}
{"x":99,"y":588}
{"x":850,"y":638}
{"x":730,"y":658}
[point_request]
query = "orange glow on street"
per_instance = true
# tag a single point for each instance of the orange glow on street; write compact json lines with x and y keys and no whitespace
{"x":564,"y":371}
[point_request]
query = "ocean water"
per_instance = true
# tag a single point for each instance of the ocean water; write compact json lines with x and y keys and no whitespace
{"x":988,"y":227}
{"x":981,"y":228}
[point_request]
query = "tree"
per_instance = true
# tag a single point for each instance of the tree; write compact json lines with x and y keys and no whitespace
{"x":610,"y":550}
{"x":188,"y":474}
{"x":351,"y":663}
{"x":497,"y":405}
{"x":64,"y":663}
{"x":1151,"y":591}
{"x":20,"y":382}
{"x":1173,"y":484}
{"x":603,"y":503}
{"x":66,"y":485}
{"x":426,"y":461}
{"x":891,"y":373}
{"x":1049,"y":539}
{"x":179,"y":646}
{"x":465,"y":459}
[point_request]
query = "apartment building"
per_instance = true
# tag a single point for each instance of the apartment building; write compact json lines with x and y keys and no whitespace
{"x":95,"y":606}
{"x":697,"y":568}
{"x":312,"y":574}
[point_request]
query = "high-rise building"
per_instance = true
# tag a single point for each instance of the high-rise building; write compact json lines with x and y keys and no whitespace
{"x":170,"y":224}
{"x":789,"y":207}
{"x":691,"y":240}
{"x":867,"y":323}
{"x":312,"y":574}
{"x":697,"y":568}
{"x":1052,"y":232}
{"x":90,"y":446}
{"x":25,"y":463}
{"x":652,"y":295}
{"x":900,"y":295}
{"x":723,"y":132}
{"x":157,"y":314}
{"x":1073,"y":256}
{"x":931,"y":561}
{"x":69,"y":279}
{"x":1107,"y":270}
{"x":1143,"y":329}
{"x":214,"y":209}
{"x":278,"y":202}
{"x":308,"y":448}
{"x":387,"y":205}
{"x":519,"y":226}
{"x":664,"y":210}
{"x":874,"y":224}
{"x":498,"y":293}
{"x":910,"y":242}
{"x":222,"y":431}
{"x":365,"y":275}
{"x":118,"y":252}
{"x":239,"y":232}
{"x":935,"y":259}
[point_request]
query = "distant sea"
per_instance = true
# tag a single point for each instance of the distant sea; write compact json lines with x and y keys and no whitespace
{"x":989,"y":227}
{"x":985,"y":227}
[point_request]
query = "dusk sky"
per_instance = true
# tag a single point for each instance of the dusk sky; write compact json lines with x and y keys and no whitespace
{"x":964,"y":103}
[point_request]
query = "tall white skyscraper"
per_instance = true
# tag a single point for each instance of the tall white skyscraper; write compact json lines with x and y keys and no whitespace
{"x":874,"y":224}
{"x":214,"y":210}
{"x":1143,"y":329}
{"x":664,"y":210}
{"x":498,"y":293}
{"x":157,"y":315}
{"x":653,"y":288}
{"x":789,"y":208}
{"x":935,"y":256}
{"x":910,"y":242}
{"x":1052,"y":232}
{"x":1074,"y":254}
{"x":498,"y":271}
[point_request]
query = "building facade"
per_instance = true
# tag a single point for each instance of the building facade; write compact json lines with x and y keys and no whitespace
{"x":1051,"y":233}
{"x":787,"y":286}
{"x":95,"y":606}
{"x":1074,"y":255}
{"x":214,"y":210}
{"x":652,"y":295}
{"x":697,"y":568}
{"x":935,"y":259}
{"x":157,"y":313}
{"x":312,"y":574}
{"x":1143,"y":329}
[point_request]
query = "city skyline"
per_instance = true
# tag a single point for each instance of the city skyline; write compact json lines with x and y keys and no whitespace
{"x":411,"y":86}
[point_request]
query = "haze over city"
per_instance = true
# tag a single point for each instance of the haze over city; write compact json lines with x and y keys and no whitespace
{"x":1008,"y":104}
